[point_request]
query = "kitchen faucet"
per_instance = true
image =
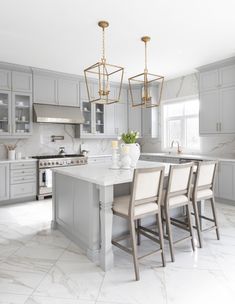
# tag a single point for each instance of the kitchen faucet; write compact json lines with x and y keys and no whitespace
{"x":179,"y":150}
{"x":61,"y":150}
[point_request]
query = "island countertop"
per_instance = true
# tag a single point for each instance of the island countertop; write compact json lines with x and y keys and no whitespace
{"x":101,"y":174}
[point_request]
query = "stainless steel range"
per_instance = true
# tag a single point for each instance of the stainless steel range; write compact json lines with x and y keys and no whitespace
{"x":46,"y":163}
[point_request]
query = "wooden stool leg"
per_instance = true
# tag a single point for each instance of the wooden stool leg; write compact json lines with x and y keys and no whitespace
{"x":215,"y":217}
{"x":159,"y":222}
{"x":138,"y":222}
{"x":134,"y":249}
{"x":195,"y":209}
{"x":169,"y":232}
{"x":190,"y":226}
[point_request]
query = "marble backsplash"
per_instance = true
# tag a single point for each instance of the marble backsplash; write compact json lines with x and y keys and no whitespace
{"x":40,"y":142}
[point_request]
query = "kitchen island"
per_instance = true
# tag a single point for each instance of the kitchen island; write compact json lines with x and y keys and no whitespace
{"x":82,"y":206}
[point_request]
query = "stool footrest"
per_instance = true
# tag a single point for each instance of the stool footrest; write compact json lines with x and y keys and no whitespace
{"x":150,"y":253}
{"x":122,"y":247}
{"x":182,"y":240}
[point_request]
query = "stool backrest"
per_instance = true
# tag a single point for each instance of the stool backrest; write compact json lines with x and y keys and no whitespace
{"x":205,"y":176}
{"x":147,"y":186}
{"x":179,"y":180}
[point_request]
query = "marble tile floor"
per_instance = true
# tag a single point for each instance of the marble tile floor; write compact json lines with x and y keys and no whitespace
{"x":41,"y":266}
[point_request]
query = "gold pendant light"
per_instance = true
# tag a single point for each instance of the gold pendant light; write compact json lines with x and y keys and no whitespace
{"x":99,"y":76}
{"x":150,"y":85}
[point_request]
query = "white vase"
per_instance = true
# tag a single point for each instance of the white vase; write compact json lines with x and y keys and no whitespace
{"x":11,"y":154}
{"x":134,"y":153}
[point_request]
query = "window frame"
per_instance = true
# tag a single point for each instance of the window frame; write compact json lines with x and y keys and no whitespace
{"x":183,"y":120}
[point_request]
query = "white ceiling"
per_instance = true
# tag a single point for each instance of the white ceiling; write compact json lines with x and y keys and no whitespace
{"x":63,"y":35}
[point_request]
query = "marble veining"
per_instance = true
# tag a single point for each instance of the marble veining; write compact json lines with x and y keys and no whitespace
{"x":41,"y":266}
{"x":40,"y":142}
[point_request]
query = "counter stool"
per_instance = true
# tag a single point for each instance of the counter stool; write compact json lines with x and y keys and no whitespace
{"x":203,"y":189}
{"x":144,"y":201}
{"x":177,"y":195}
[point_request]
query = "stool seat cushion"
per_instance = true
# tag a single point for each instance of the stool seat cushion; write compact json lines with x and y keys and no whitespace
{"x":204,"y":193}
{"x":121,"y":205}
{"x":175,"y":200}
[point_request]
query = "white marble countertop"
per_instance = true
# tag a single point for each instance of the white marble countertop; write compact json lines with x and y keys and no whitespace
{"x":2,"y":161}
{"x":99,"y":155}
{"x":102,"y":175}
{"x":190,"y":156}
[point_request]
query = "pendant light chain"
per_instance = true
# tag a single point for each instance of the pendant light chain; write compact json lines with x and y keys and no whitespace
{"x":102,"y":73}
{"x":145,"y":56}
{"x":103,"y":44}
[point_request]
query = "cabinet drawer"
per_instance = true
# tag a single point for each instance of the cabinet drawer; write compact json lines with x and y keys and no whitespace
{"x":21,"y":190}
{"x":20,"y":165}
{"x":22,"y":179}
{"x":23,"y":172}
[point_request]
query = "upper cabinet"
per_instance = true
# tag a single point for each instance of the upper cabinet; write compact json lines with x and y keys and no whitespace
{"x":55,"y":88}
{"x":106,"y":121}
{"x":44,"y":89}
{"x":22,"y":82}
{"x":134,"y":113}
{"x":209,"y":80}
{"x":15,"y":104}
{"x":68,"y":92}
{"x":217,"y":98}
{"x":5,"y":80}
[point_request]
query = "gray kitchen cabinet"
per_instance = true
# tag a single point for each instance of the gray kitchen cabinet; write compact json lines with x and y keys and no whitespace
{"x":68,"y":92}
{"x":121,"y":115}
{"x":15,"y":114}
{"x":5,"y":113}
{"x":217,"y":98}
{"x":209,"y":116}
{"x":134,"y":113}
{"x":109,"y":119}
{"x":227,"y":110}
{"x":5,"y":80}
{"x":217,"y":108}
{"x":93,"y":89}
{"x":22,"y":179}
{"x":120,"y":118}
{"x":22,"y":82}
{"x":209,"y":80}
{"x":227,"y":76}
{"x":45,"y":89}
{"x":22,"y":114}
{"x":150,"y":126}
{"x":226,"y":180}
{"x":4,"y":184}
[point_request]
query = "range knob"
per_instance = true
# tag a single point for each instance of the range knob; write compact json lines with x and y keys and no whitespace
{"x":71,"y":161}
{"x":45,"y":164}
{"x":57,"y":163}
{"x":52,"y":163}
{"x":40,"y":164}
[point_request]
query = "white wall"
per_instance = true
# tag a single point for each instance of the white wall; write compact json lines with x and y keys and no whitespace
{"x":218,"y":145}
{"x":40,"y":142}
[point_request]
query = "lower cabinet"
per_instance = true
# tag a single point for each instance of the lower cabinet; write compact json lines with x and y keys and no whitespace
{"x":226,"y":181}
{"x":4,"y":182}
{"x":22,"y":179}
{"x":18,"y":180}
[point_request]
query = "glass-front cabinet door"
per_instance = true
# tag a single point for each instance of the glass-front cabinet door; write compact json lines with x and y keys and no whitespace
{"x":87,"y":127}
{"x":22,"y":113}
{"x":5,"y":113}
{"x":99,"y":118}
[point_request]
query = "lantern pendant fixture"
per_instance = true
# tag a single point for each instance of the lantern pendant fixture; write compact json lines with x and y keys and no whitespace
{"x":149,"y":84}
{"x":99,"y":76}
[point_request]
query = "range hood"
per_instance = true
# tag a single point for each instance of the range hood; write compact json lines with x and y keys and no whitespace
{"x":57,"y":114}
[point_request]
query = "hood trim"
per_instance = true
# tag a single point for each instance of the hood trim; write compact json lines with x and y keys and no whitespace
{"x":44,"y":113}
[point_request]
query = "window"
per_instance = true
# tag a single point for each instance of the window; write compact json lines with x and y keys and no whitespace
{"x":181,"y":123}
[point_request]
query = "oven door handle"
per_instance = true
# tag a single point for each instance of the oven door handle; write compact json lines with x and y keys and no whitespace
{"x":44,"y":176}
